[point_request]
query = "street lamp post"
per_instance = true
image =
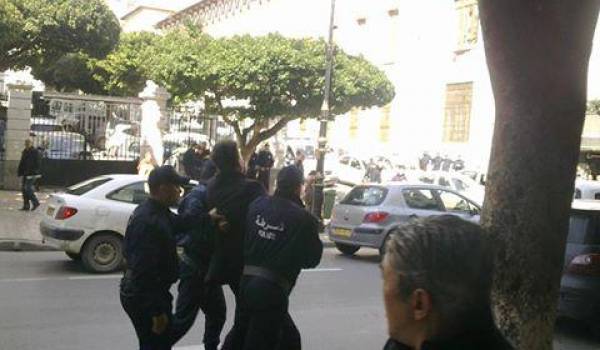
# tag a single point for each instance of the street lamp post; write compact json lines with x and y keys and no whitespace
{"x":324,"y":117}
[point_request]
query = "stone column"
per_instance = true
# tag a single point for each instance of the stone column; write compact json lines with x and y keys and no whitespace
{"x":154,"y":123}
{"x":18,"y":121}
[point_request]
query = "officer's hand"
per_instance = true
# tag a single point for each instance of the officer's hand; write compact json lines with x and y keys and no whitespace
{"x":159,"y":324}
{"x":215,"y":216}
{"x":223,"y":225}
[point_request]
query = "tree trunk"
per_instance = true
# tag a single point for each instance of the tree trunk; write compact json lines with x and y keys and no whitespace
{"x":538,"y":54}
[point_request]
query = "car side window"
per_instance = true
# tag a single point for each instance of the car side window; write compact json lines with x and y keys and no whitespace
{"x":135,"y":193}
{"x":420,"y":199}
{"x":454,"y":203}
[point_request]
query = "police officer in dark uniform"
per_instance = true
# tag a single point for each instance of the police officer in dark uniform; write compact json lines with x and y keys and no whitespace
{"x":281,"y":239}
{"x":264,"y":163}
{"x":151,"y":261}
{"x":193,"y":292}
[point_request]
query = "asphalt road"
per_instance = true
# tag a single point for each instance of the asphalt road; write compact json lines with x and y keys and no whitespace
{"x":48,"y":302}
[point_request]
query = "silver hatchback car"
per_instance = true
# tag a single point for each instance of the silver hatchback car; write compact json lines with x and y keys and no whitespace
{"x":365,"y":217}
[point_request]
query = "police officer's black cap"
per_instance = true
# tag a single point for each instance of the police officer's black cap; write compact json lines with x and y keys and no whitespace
{"x":290,"y":177}
{"x":165,"y":175}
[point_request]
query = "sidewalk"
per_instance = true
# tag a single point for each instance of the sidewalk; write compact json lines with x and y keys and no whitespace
{"x":19,"y":230}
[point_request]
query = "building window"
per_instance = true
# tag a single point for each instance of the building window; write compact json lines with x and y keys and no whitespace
{"x":468,"y":23}
{"x":457,"y":120}
{"x":393,"y":13}
{"x":361,"y":21}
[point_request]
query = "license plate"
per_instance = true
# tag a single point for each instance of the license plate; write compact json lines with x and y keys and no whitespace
{"x":343,"y":232}
{"x":50,"y":211}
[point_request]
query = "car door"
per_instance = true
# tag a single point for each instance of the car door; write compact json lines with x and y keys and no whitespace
{"x":122,"y":203}
{"x":458,"y":205}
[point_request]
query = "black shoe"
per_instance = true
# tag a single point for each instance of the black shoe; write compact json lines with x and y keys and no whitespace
{"x":35,"y":206}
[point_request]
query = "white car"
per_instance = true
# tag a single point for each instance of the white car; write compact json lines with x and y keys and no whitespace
{"x":452,"y":180}
{"x":88,"y":220}
{"x":587,"y":189}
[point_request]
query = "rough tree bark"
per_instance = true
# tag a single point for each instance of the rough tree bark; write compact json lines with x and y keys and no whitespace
{"x":538,"y":54}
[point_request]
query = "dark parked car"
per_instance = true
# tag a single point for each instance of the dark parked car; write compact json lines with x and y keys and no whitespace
{"x":580,"y":283}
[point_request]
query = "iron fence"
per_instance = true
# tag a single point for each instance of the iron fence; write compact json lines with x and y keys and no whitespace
{"x":188,"y":125}
{"x":66,"y":127}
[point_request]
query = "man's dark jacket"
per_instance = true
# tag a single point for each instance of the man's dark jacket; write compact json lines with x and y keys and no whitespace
{"x":265,"y":159}
{"x":231,"y":194}
{"x":30,"y":162}
{"x":485,"y":338}
{"x":150,"y":252}
{"x":197,"y":241}
{"x":282,"y":237}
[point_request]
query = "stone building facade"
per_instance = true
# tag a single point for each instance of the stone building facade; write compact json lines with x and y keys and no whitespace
{"x":431,"y":50}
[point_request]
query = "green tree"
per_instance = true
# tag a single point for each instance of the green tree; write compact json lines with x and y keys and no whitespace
{"x":123,"y":71}
{"x":259,"y":84}
{"x":120,"y":73}
{"x":38,"y":33}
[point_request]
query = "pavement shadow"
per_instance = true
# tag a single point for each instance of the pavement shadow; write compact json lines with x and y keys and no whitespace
{"x":366,"y":257}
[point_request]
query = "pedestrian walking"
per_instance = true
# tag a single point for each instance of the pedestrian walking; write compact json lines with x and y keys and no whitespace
{"x":194,"y":294}
{"x":309,"y":189}
{"x":290,"y":157}
{"x":2,"y":138}
{"x":151,"y":261}
{"x":29,"y":171}
{"x":424,"y":161}
{"x":437,"y":279}
{"x":229,"y":194}
{"x":264,"y":163}
{"x":447,"y":163}
{"x":193,"y":160}
{"x":281,"y":239}
{"x":459,"y":164}
{"x":299,"y":161}
{"x":251,"y":170}
{"x":437,"y":162}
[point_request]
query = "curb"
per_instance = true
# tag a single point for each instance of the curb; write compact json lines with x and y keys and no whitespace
{"x":24,"y":246}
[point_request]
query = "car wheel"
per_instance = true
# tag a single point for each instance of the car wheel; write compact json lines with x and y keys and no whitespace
{"x":347,"y":249}
{"x":103,"y":253}
{"x":73,"y":256}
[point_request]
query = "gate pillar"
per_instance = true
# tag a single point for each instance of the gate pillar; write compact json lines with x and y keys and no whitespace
{"x":18,"y":123}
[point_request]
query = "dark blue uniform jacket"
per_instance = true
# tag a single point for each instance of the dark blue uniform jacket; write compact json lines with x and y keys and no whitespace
{"x":282,"y":237}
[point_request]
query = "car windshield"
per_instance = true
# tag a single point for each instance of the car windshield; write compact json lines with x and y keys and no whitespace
{"x":86,"y":186}
{"x":366,"y":196}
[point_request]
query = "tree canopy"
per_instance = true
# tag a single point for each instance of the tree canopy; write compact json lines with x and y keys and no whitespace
{"x":39,"y":33}
{"x":259,"y":84}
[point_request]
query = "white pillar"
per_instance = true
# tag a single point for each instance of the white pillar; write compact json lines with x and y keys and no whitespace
{"x":18,"y":121}
{"x":154,"y":111}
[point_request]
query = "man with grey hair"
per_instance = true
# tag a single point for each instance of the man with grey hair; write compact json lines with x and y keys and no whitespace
{"x":437,"y":278}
